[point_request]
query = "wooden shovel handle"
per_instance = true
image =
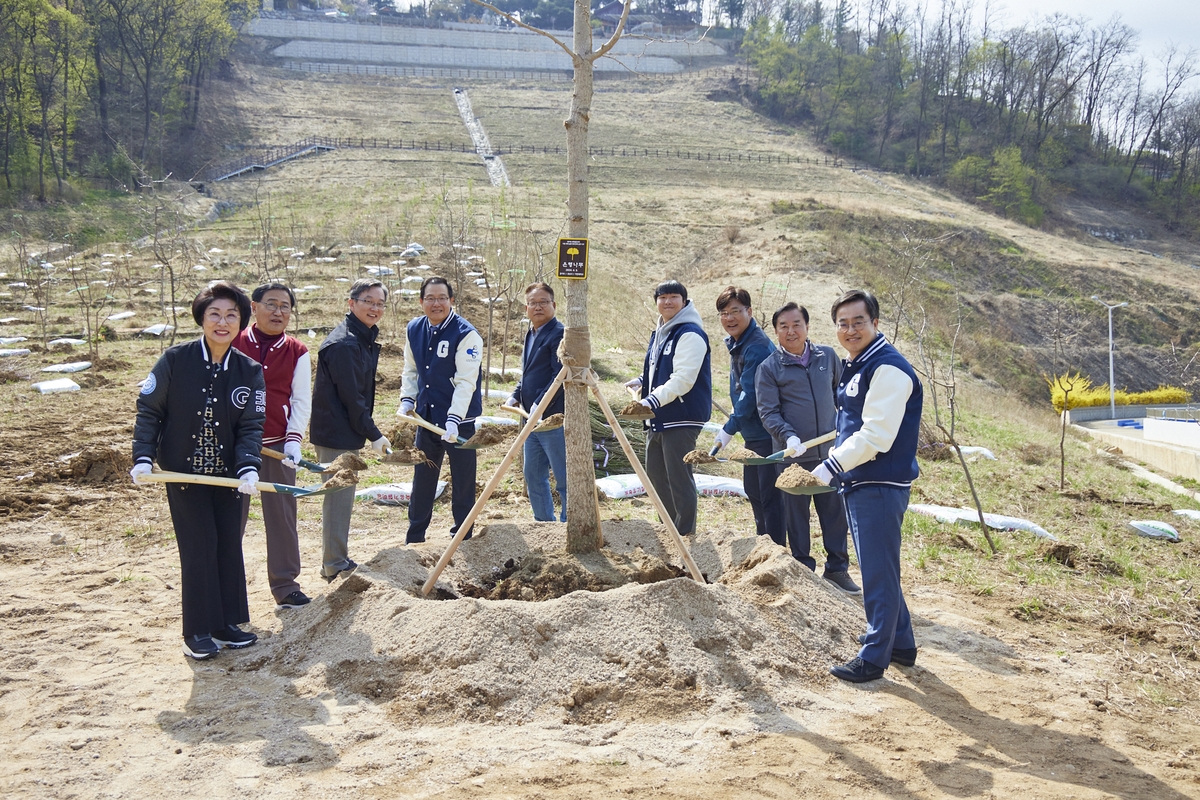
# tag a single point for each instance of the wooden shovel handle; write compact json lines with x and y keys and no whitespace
{"x":515,"y":410}
{"x":206,"y":480}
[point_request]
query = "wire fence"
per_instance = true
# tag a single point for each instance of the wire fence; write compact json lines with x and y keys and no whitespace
{"x":276,"y":155}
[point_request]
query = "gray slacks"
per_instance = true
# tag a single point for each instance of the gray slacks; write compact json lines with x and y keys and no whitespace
{"x":336,"y":509}
{"x":671,"y":477}
{"x":279,"y":519}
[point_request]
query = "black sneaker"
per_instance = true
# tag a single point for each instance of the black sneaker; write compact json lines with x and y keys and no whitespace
{"x":235,"y":637}
{"x":350,"y":567}
{"x":294,"y":600}
{"x":842,"y":581}
{"x":200,"y":647}
{"x":857,"y":671}
{"x":906,"y":657}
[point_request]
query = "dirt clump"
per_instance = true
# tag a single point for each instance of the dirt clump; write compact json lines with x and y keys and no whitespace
{"x":740,"y":454}
{"x":489,"y":435}
{"x":550,"y":423}
{"x":699,"y":457}
{"x":635,"y":410}
{"x":402,"y":436}
{"x":796,"y":476}
{"x":542,"y":576}
{"x":406,"y":455}
{"x":348,"y":461}
{"x":97,"y":464}
{"x":342,"y":479}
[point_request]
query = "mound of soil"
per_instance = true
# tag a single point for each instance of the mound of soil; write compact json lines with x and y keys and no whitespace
{"x":635,"y":410}
{"x":402,"y":436}
{"x":763,"y":633}
{"x":98,"y":464}
{"x":796,"y":475}
{"x":699,"y":457}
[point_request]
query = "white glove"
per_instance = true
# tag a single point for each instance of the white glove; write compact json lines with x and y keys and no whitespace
{"x":511,"y":402}
{"x":451,"y":434}
{"x":249,"y":484}
{"x":796,"y":446}
{"x":292,"y":451}
{"x":406,"y":408}
{"x":823,"y":474}
{"x":381,"y":445}
{"x":723,"y":438}
{"x":635,"y":383}
{"x":140,"y":469}
{"x":645,"y":401}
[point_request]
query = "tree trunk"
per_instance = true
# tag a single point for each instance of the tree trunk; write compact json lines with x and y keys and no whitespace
{"x":583,"y":513}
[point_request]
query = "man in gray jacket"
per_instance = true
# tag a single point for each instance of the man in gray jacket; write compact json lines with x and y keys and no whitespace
{"x":796,"y":386}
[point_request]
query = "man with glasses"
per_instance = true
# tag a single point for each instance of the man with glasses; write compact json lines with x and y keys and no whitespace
{"x":343,"y":402}
{"x":875,"y":460}
{"x":441,"y":383}
{"x":287,"y":370}
{"x":748,"y":347}
{"x":544,"y":450}
{"x":676,"y":383}
{"x":797,"y":386}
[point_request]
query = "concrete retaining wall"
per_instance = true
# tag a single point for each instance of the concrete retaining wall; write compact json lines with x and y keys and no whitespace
{"x":1174,"y":461}
{"x":1093,"y":413}
{"x":467,"y":40}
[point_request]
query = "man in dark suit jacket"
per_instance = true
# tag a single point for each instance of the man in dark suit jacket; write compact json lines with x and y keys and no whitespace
{"x":544,"y":450}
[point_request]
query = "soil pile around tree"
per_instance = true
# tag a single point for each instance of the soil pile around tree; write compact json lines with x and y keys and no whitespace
{"x":637,"y":643}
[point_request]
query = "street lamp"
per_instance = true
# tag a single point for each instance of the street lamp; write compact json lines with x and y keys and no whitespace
{"x":1112,"y":389}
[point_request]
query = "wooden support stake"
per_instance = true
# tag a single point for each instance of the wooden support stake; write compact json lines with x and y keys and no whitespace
{"x":641,"y":473}
{"x":467,"y":523}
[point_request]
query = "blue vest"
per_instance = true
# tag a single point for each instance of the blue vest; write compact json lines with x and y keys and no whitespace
{"x":898,"y":466}
{"x":540,"y":368}
{"x":693,"y":409}
{"x":433,"y":351}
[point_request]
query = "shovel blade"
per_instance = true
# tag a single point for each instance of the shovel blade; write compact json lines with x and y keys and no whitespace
{"x":807,"y":489}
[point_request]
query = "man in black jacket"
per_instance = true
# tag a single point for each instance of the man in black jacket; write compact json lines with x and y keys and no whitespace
{"x":343,"y":402}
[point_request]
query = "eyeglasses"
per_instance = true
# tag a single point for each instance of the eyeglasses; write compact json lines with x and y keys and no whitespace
{"x":856,"y":325}
{"x":216,"y":317}
{"x":733,"y":312}
{"x":371,"y":304}
{"x":540,"y":304}
{"x":439,"y":299}
{"x":276,"y":308}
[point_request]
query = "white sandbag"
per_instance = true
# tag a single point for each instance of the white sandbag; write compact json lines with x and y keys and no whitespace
{"x":970,"y":516}
{"x":7,"y":320}
{"x":716,"y":486}
{"x":494,"y":421}
{"x":66,"y":341}
{"x":159,"y":329}
{"x":393,"y":494}
{"x":498,"y":394}
{"x":711,"y":427}
{"x":12,"y":339}
{"x":974,"y":453}
{"x":621,"y":487}
{"x":1190,"y":513}
{"x":19,"y":351}
{"x":74,"y":366}
{"x":1153,"y":529}
{"x":56,"y":385}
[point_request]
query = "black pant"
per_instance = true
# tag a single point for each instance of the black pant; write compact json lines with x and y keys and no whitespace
{"x":208,"y":532}
{"x":765,"y":501}
{"x":425,"y":477}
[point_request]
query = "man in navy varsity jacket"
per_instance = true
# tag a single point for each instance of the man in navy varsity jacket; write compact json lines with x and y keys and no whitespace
{"x":441,"y":382}
{"x":287,"y":370}
{"x":544,"y":450}
{"x":676,"y":383}
{"x":875,"y":459}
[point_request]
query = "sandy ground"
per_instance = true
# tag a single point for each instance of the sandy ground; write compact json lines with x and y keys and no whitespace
{"x":98,"y":701}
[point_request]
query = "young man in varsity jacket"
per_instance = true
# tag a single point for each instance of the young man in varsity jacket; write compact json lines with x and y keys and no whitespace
{"x":441,"y":382}
{"x":544,"y":450}
{"x":287,"y":370}
{"x":875,"y":460}
{"x":676,"y":383}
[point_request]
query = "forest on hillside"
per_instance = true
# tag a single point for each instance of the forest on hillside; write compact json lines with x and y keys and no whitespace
{"x":107,"y":89}
{"x":1011,"y":116}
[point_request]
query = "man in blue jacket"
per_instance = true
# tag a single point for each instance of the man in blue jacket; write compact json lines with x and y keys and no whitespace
{"x":343,"y":402}
{"x":544,"y":450}
{"x":676,"y":383}
{"x":748,"y":347}
{"x":441,"y":382}
{"x":875,"y":458}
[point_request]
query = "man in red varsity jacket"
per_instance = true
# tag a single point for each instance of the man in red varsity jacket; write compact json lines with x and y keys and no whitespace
{"x":287,"y":370}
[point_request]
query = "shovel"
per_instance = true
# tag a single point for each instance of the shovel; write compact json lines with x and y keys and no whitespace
{"x":777,"y":458}
{"x":542,"y":426}
{"x":233,"y":483}
{"x":429,"y":426}
{"x":311,"y":466}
